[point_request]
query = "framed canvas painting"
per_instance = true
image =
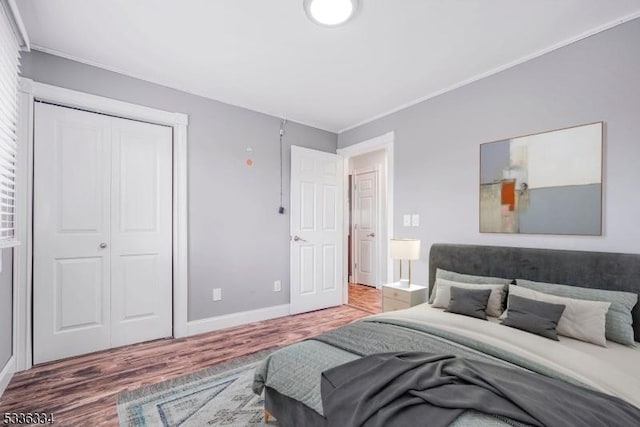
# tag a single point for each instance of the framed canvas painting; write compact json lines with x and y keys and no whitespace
{"x":546,"y":183}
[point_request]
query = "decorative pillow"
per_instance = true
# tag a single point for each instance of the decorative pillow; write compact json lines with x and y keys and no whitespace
{"x":468,"y":278}
{"x":581,"y":319}
{"x":442,"y":294}
{"x":469,"y":302}
{"x":619,"y":323}
{"x":538,"y":317}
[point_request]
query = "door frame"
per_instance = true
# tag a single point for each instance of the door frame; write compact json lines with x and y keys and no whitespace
{"x":386,"y":142}
{"x":29,"y":92}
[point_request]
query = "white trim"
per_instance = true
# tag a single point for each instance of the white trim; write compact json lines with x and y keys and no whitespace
{"x":31,"y":91}
{"x":236,"y":319}
{"x":15,"y":19}
{"x":385,"y":142}
{"x":7,"y":373}
{"x":500,"y":68}
{"x":100,"y":104}
{"x":378,"y":143}
{"x":363,"y":171}
{"x":180,"y":87}
{"x":180,"y":232}
{"x":22,"y":255}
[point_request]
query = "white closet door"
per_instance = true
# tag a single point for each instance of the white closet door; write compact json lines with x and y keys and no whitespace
{"x":102,"y":232}
{"x":71,"y":271}
{"x":141,"y":231}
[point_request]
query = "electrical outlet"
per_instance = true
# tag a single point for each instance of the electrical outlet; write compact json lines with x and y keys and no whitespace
{"x":415,"y":220}
{"x":217,"y":294}
{"x":277,"y":286}
{"x":406,"y":220}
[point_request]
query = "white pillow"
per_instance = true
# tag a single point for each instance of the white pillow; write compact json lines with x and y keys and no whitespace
{"x":442,"y":290}
{"x":583,"y":320}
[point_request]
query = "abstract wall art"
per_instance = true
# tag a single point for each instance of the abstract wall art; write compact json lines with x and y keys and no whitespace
{"x":546,"y":183}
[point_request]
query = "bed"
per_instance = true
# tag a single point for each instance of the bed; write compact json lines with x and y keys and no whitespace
{"x":290,"y":377}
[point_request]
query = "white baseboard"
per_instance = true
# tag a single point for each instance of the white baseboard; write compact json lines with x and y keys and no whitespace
{"x":7,"y":373}
{"x":236,"y":319}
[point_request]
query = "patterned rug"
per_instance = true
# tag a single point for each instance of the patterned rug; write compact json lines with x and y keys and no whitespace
{"x":216,"y":396}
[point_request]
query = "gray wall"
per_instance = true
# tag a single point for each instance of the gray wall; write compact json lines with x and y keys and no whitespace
{"x":6,"y":307}
{"x":237,"y":239}
{"x":437,"y":141}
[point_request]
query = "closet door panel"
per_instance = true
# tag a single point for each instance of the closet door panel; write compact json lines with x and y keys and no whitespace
{"x":71,"y":274}
{"x":141,"y":215}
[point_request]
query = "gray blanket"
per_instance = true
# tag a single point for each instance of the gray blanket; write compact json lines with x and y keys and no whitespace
{"x":295,"y":370}
{"x":396,"y":389}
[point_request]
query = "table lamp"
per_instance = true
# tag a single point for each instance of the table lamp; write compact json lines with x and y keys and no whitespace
{"x":405,"y":249}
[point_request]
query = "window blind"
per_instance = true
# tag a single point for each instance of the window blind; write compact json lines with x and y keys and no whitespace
{"x":9,"y":63}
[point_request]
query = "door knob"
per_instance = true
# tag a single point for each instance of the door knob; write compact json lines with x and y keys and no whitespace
{"x":298,"y":239}
{"x":371,"y":235}
{"x":103,"y":245}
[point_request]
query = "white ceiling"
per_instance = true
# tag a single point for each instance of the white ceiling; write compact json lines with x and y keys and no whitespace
{"x":266,"y":55}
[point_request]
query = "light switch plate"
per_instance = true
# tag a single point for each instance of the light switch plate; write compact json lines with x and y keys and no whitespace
{"x":406,"y":220}
{"x":277,"y":286}
{"x":415,"y":220}
{"x":217,"y":294}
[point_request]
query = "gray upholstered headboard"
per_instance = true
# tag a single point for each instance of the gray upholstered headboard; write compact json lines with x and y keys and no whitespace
{"x":603,"y":270}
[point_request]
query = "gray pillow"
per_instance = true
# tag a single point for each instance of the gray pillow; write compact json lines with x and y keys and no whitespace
{"x":469,"y":302}
{"x":619,"y":321}
{"x":538,"y":317}
{"x":468,"y":278}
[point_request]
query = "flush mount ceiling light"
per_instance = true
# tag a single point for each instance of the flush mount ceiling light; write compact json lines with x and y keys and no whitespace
{"x":330,"y":12}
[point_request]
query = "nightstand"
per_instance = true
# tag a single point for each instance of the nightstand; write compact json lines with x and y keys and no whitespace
{"x":395,"y":297}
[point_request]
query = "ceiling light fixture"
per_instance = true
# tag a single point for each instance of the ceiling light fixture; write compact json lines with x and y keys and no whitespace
{"x":330,"y":13}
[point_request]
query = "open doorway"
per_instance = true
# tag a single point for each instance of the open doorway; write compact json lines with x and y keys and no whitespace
{"x":368,"y":220}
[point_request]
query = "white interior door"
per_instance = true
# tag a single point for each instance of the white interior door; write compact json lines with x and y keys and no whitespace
{"x":316,"y":229}
{"x":71,"y":274}
{"x":102,"y":248}
{"x":141,"y":182}
{"x":364,"y":228}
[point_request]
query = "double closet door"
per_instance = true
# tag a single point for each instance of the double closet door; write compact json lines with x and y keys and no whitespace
{"x":102,"y":227}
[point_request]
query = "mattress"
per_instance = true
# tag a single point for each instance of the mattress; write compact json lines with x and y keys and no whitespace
{"x":614,"y":369}
{"x":294,"y":372}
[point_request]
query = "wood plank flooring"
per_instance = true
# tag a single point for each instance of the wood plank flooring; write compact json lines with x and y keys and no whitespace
{"x":81,"y":391}
{"x":365,"y":298}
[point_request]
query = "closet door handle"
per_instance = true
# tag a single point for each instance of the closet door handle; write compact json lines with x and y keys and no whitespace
{"x":103,"y":245}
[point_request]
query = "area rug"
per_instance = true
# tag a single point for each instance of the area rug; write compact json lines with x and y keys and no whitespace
{"x":217,"y":396}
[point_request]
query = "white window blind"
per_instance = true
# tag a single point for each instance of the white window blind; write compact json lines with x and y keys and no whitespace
{"x":9,"y":63}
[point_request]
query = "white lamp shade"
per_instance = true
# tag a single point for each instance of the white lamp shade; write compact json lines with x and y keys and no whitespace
{"x":406,"y":249}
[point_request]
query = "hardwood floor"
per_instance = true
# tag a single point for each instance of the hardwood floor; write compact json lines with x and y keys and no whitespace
{"x":81,"y":391}
{"x":365,"y":298}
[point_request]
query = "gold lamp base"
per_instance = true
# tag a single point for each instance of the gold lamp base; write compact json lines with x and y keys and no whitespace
{"x":405,"y":283}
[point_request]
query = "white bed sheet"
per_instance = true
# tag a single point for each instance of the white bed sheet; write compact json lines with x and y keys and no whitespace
{"x":614,"y":369}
